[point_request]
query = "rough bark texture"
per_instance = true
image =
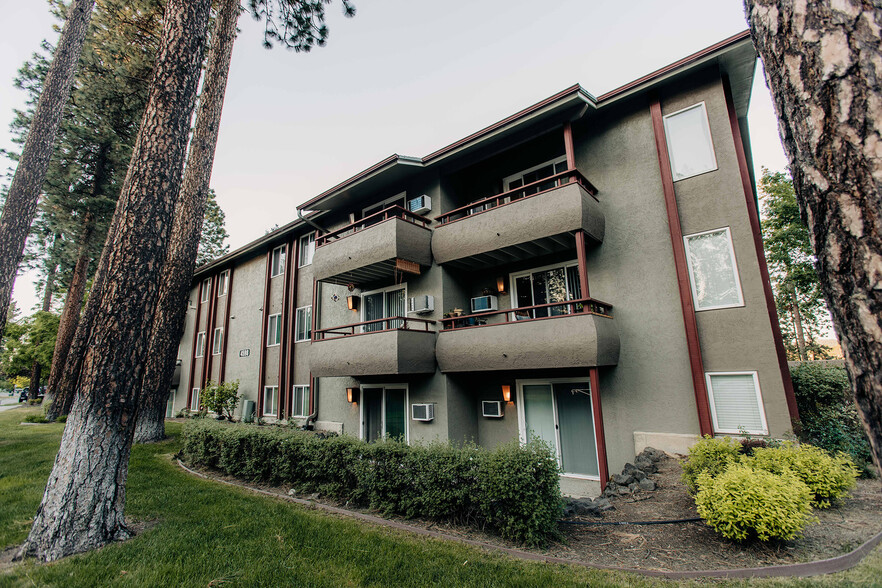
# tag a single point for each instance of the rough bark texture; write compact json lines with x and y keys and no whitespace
{"x":824,"y":68}
{"x":180,"y":261}
{"x":82,"y":507}
{"x":24,"y":192}
{"x":59,"y":402}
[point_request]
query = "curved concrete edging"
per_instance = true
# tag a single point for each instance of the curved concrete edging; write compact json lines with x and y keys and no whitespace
{"x":812,"y":568}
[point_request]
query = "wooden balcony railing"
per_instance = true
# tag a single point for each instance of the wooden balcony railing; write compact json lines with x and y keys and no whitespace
{"x":393,"y":323}
{"x":542,"y":186}
{"x":528,"y":313}
{"x":391,"y":212}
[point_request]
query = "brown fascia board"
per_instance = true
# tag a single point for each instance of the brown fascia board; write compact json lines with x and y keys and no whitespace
{"x":639,"y":85}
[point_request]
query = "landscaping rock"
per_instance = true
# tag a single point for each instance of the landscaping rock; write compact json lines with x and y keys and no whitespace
{"x":603,"y":505}
{"x":633,"y":487}
{"x":645,"y":464}
{"x":623,"y":479}
{"x":646,"y":484}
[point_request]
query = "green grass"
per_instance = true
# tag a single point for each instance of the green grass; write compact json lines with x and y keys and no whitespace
{"x":204,"y":532}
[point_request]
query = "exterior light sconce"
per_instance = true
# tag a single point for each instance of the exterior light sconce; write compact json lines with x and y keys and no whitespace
{"x":500,"y":284}
{"x":352,"y":394}
{"x":506,"y":392}
{"x":352,"y":302}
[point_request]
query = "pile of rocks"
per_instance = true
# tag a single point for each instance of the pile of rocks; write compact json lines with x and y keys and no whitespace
{"x":586,"y":506}
{"x":635,"y":477}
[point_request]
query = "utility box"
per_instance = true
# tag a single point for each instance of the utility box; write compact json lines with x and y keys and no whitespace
{"x":248,"y":411}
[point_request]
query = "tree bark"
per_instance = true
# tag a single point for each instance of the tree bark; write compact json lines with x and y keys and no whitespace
{"x":824,"y":67}
{"x":82,"y":506}
{"x":797,"y":322}
{"x":180,"y":261}
{"x":24,"y":192}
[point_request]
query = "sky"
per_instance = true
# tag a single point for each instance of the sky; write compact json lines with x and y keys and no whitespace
{"x":408,"y":77}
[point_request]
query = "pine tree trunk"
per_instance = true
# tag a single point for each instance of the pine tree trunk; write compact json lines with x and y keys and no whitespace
{"x":59,"y":402}
{"x":36,"y":368}
{"x":824,"y":65}
{"x":82,"y":507}
{"x":797,"y":322}
{"x":21,"y":201}
{"x":180,"y":260}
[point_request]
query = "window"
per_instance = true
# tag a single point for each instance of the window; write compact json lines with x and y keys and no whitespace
{"x":274,"y":330}
{"x":379,"y":304}
{"x":384,"y":412}
{"x":736,"y":403}
{"x":194,"y":400}
{"x":690,"y":147}
{"x":217,"y":341}
{"x":200,"y":344}
{"x":222,"y":282}
{"x":303,"y":324}
{"x":534,"y":174}
{"x":307,"y":249}
{"x":712,"y":270}
{"x":547,"y":285}
{"x":206,"y":289}
{"x":277,"y":262}
{"x":270,"y":400}
{"x":397,"y":200}
{"x":300,"y":401}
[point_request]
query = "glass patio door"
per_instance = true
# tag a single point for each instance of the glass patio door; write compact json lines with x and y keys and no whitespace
{"x":373,"y":310}
{"x":383,"y":413}
{"x":547,"y":287}
{"x":380,"y":305}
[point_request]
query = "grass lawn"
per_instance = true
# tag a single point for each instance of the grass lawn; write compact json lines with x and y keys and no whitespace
{"x":205,"y":533}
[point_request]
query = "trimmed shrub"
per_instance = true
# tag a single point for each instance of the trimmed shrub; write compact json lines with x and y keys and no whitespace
{"x":710,"y":456}
{"x":513,"y":490}
{"x":744,"y":503}
{"x":828,"y":477}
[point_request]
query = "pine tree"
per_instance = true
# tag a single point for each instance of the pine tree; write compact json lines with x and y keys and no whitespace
{"x":214,"y":231}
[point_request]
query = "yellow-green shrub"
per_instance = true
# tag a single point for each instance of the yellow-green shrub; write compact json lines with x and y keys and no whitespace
{"x":711,"y":456}
{"x":744,"y":503}
{"x":828,"y":477}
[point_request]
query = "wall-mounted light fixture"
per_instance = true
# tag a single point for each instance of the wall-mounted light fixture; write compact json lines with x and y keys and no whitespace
{"x":506,"y":392}
{"x":500,"y":284}
{"x":352,"y":302}
{"x":352,"y":394}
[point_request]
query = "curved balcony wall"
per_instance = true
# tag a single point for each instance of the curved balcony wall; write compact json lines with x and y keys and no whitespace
{"x":374,"y":354}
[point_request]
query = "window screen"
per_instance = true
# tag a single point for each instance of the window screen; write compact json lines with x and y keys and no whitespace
{"x":689,"y":142}
{"x":712,"y":270}
{"x":736,"y":402}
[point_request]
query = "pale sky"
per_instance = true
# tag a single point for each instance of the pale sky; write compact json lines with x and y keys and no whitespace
{"x":409,"y":77}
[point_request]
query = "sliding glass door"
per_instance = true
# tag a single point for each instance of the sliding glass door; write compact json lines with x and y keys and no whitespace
{"x":384,"y":410}
{"x":547,"y":286}
{"x":383,"y":304}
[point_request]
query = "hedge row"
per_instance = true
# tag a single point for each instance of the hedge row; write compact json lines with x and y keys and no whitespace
{"x":513,"y":490}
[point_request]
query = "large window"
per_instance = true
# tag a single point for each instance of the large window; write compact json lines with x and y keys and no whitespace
{"x":194,"y":400}
{"x":300,"y":401}
{"x":712,"y":270}
{"x":223,"y":283}
{"x":380,"y":304}
{"x":534,"y":174}
{"x":217,"y":341}
{"x":206,"y":289}
{"x":277,"y":261}
{"x":271,"y":400}
{"x":546,"y":285}
{"x":690,"y":146}
{"x":736,"y":403}
{"x":200,"y":344}
{"x":274,"y":330}
{"x":307,"y":250}
{"x":303,"y":324}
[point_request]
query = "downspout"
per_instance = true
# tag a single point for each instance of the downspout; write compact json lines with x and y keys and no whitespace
{"x":310,"y":420}
{"x":309,"y":222}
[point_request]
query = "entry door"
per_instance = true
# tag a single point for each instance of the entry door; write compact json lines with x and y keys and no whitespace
{"x":383,"y":413}
{"x":560,"y":414}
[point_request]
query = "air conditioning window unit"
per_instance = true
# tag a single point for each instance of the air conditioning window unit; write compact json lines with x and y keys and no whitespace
{"x":421,"y":304}
{"x":491,"y":409}
{"x":484,"y":303}
{"x":422,"y":412}
{"x":420,"y":204}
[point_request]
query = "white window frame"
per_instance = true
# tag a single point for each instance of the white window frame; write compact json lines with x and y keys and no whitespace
{"x":206,"y":290}
{"x":305,"y":260}
{"x":305,"y":390}
{"x":383,"y":204}
{"x":277,"y":260}
{"x":217,"y":341}
{"x":377,"y":291}
{"x":512,"y":278}
{"x":707,"y":135}
{"x":269,"y":322}
{"x":734,"y":269}
{"x":522,"y":420}
{"x":194,"y":400}
{"x":223,"y":281}
{"x":264,"y":411}
{"x":759,"y":400}
{"x":200,"y":344}
{"x":383,"y":408}
{"x":522,"y":173}
{"x":297,"y":321}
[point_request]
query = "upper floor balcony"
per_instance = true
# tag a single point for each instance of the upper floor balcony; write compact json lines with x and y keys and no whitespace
{"x":575,"y":333}
{"x":369,"y":250}
{"x":527,"y":221}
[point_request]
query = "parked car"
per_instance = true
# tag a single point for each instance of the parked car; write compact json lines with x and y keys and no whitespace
{"x":25,"y":391}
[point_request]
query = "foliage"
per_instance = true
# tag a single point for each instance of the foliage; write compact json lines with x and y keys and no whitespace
{"x":828,"y":477}
{"x":221,"y":398}
{"x":827,"y":412}
{"x":61,"y":419}
{"x":214,"y":232}
{"x":513,"y":490}
{"x":31,"y":339}
{"x":745,"y":503}
{"x":35,"y":418}
{"x":297,"y":25}
{"x":711,"y":456}
{"x":21,"y":382}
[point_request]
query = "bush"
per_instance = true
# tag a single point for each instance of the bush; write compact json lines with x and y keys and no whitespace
{"x":221,"y":399}
{"x":35,"y":418}
{"x":828,"y":477}
{"x":710,"y":456}
{"x":61,"y":419}
{"x":745,"y":503}
{"x":513,"y":490}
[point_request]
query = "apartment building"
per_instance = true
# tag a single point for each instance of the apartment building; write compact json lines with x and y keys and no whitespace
{"x":588,"y":270}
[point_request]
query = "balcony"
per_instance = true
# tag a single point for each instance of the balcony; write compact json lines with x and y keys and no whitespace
{"x":371,"y":249}
{"x":535,"y":219}
{"x":576,"y":333}
{"x":395,"y":345}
